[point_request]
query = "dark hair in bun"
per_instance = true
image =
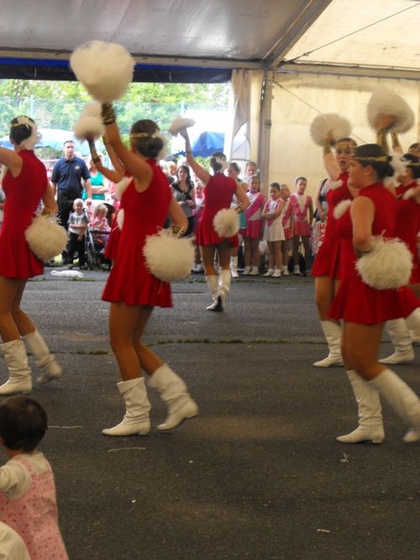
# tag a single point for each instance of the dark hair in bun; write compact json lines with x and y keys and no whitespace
{"x":20,"y":131}
{"x":141,"y":138}
{"x":373,"y":155}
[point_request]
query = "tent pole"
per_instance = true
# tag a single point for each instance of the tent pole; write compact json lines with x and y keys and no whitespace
{"x":265,"y":128}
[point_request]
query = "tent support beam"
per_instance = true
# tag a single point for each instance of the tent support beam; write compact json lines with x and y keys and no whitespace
{"x":353,"y":71}
{"x":265,"y":128}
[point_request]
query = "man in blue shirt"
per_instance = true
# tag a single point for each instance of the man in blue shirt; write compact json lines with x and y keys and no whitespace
{"x":69,"y":176}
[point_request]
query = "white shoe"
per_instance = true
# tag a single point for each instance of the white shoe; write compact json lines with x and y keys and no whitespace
{"x":296,"y":270}
{"x":234,"y":272}
{"x":285,"y":271}
{"x":330,"y":361}
{"x":276,"y":273}
{"x":137,"y":407}
{"x":254,"y":271}
{"x":246,"y":271}
{"x":269,"y":272}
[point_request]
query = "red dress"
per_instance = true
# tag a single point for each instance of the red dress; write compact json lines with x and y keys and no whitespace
{"x":23,"y":195}
{"x":326,"y":262}
{"x":218,"y":194}
{"x":356,"y":302}
{"x":130,"y":281}
{"x":408,"y":226}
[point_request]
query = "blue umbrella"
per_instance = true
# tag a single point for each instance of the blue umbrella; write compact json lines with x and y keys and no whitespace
{"x":207,"y":143}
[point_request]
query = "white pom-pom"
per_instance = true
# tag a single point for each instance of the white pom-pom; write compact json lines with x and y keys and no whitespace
{"x":387,"y":103}
{"x":178,"y":124}
{"x":387,"y":266}
{"x":226,"y":222}
{"x":45,"y":237}
{"x":120,"y":218}
{"x":341,"y":208}
{"x":105,"y":69}
{"x":167,"y":257}
{"x":329,"y":125}
{"x":89,"y":124}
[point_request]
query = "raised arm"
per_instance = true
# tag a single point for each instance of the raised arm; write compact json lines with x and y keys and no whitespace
{"x":199,"y":171}
{"x":134,"y":163}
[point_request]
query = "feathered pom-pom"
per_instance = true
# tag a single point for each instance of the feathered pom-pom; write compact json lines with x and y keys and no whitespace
{"x":120,"y":218}
{"x":387,"y":103}
{"x":388,"y":266}
{"x":45,"y":237}
{"x":167,"y":257}
{"x":341,"y":208}
{"x":226,"y":222}
{"x":178,"y":124}
{"x":329,"y":124}
{"x":105,"y":69}
{"x":89,"y":125}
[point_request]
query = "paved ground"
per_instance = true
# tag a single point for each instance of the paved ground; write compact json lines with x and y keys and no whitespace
{"x":258,"y":474}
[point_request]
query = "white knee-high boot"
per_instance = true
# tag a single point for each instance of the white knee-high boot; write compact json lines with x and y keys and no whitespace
{"x":402,"y":399}
{"x":50,"y":369}
{"x":332,"y":333}
{"x":137,"y":407}
{"x":234,"y":267}
{"x":413,"y":324}
{"x":401,"y":339}
{"x":213,"y":285}
{"x":174,"y":392}
{"x":223,"y":289}
{"x":369,"y":408}
{"x":20,"y":380}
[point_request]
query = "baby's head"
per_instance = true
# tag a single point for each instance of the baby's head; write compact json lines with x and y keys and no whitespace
{"x":78,"y":205}
{"x":101,"y":210}
{"x":23,"y":423}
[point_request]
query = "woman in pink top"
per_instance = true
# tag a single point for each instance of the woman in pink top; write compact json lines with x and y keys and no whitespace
{"x":27,"y":490}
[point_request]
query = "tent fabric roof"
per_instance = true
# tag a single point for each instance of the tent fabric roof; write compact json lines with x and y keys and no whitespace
{"x":181,"y":40}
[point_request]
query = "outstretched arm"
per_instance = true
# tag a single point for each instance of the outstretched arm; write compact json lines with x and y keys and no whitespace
{"x":199,"y":171}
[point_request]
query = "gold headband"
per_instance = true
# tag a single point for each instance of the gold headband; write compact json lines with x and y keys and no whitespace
{"x":379,"y":159}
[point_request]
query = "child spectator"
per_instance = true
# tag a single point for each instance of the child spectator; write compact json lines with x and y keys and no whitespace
{"x":78,"y":221}
{"x":303,"y":213}
{"x":287,"y":223}
{"x":273,"y":230}
{"x":27,"y":489}
{"x":197,"y":213}
{"x":253,"y":229}
{"x":100,"y":223}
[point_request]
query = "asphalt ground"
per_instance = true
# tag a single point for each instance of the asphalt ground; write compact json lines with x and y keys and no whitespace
{"x":258,"y":475}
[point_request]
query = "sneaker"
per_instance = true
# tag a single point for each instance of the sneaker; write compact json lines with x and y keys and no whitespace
{"x":269,"y":272}
{"x":254,"y":271}
{"x":285,"y":271}
{"x":296,"y":270}
{"x":246,"y":271}
{"x":276,"y":273}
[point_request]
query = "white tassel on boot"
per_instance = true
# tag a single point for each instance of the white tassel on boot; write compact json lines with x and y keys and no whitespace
{"x":402,"y":399}
{"x":44,"y":359}
{"x":369,"y":408}
{"x":137,"y":407}
{"x":332,"y":333}
{"x":401,"y":339}
{"x":234,"y":267}
{"x":20,"y":380}
{"x":174,"y":392}
{"x":213,"y":285}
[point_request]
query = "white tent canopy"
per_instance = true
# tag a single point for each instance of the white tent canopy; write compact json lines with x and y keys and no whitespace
{"x":291,"y":59}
